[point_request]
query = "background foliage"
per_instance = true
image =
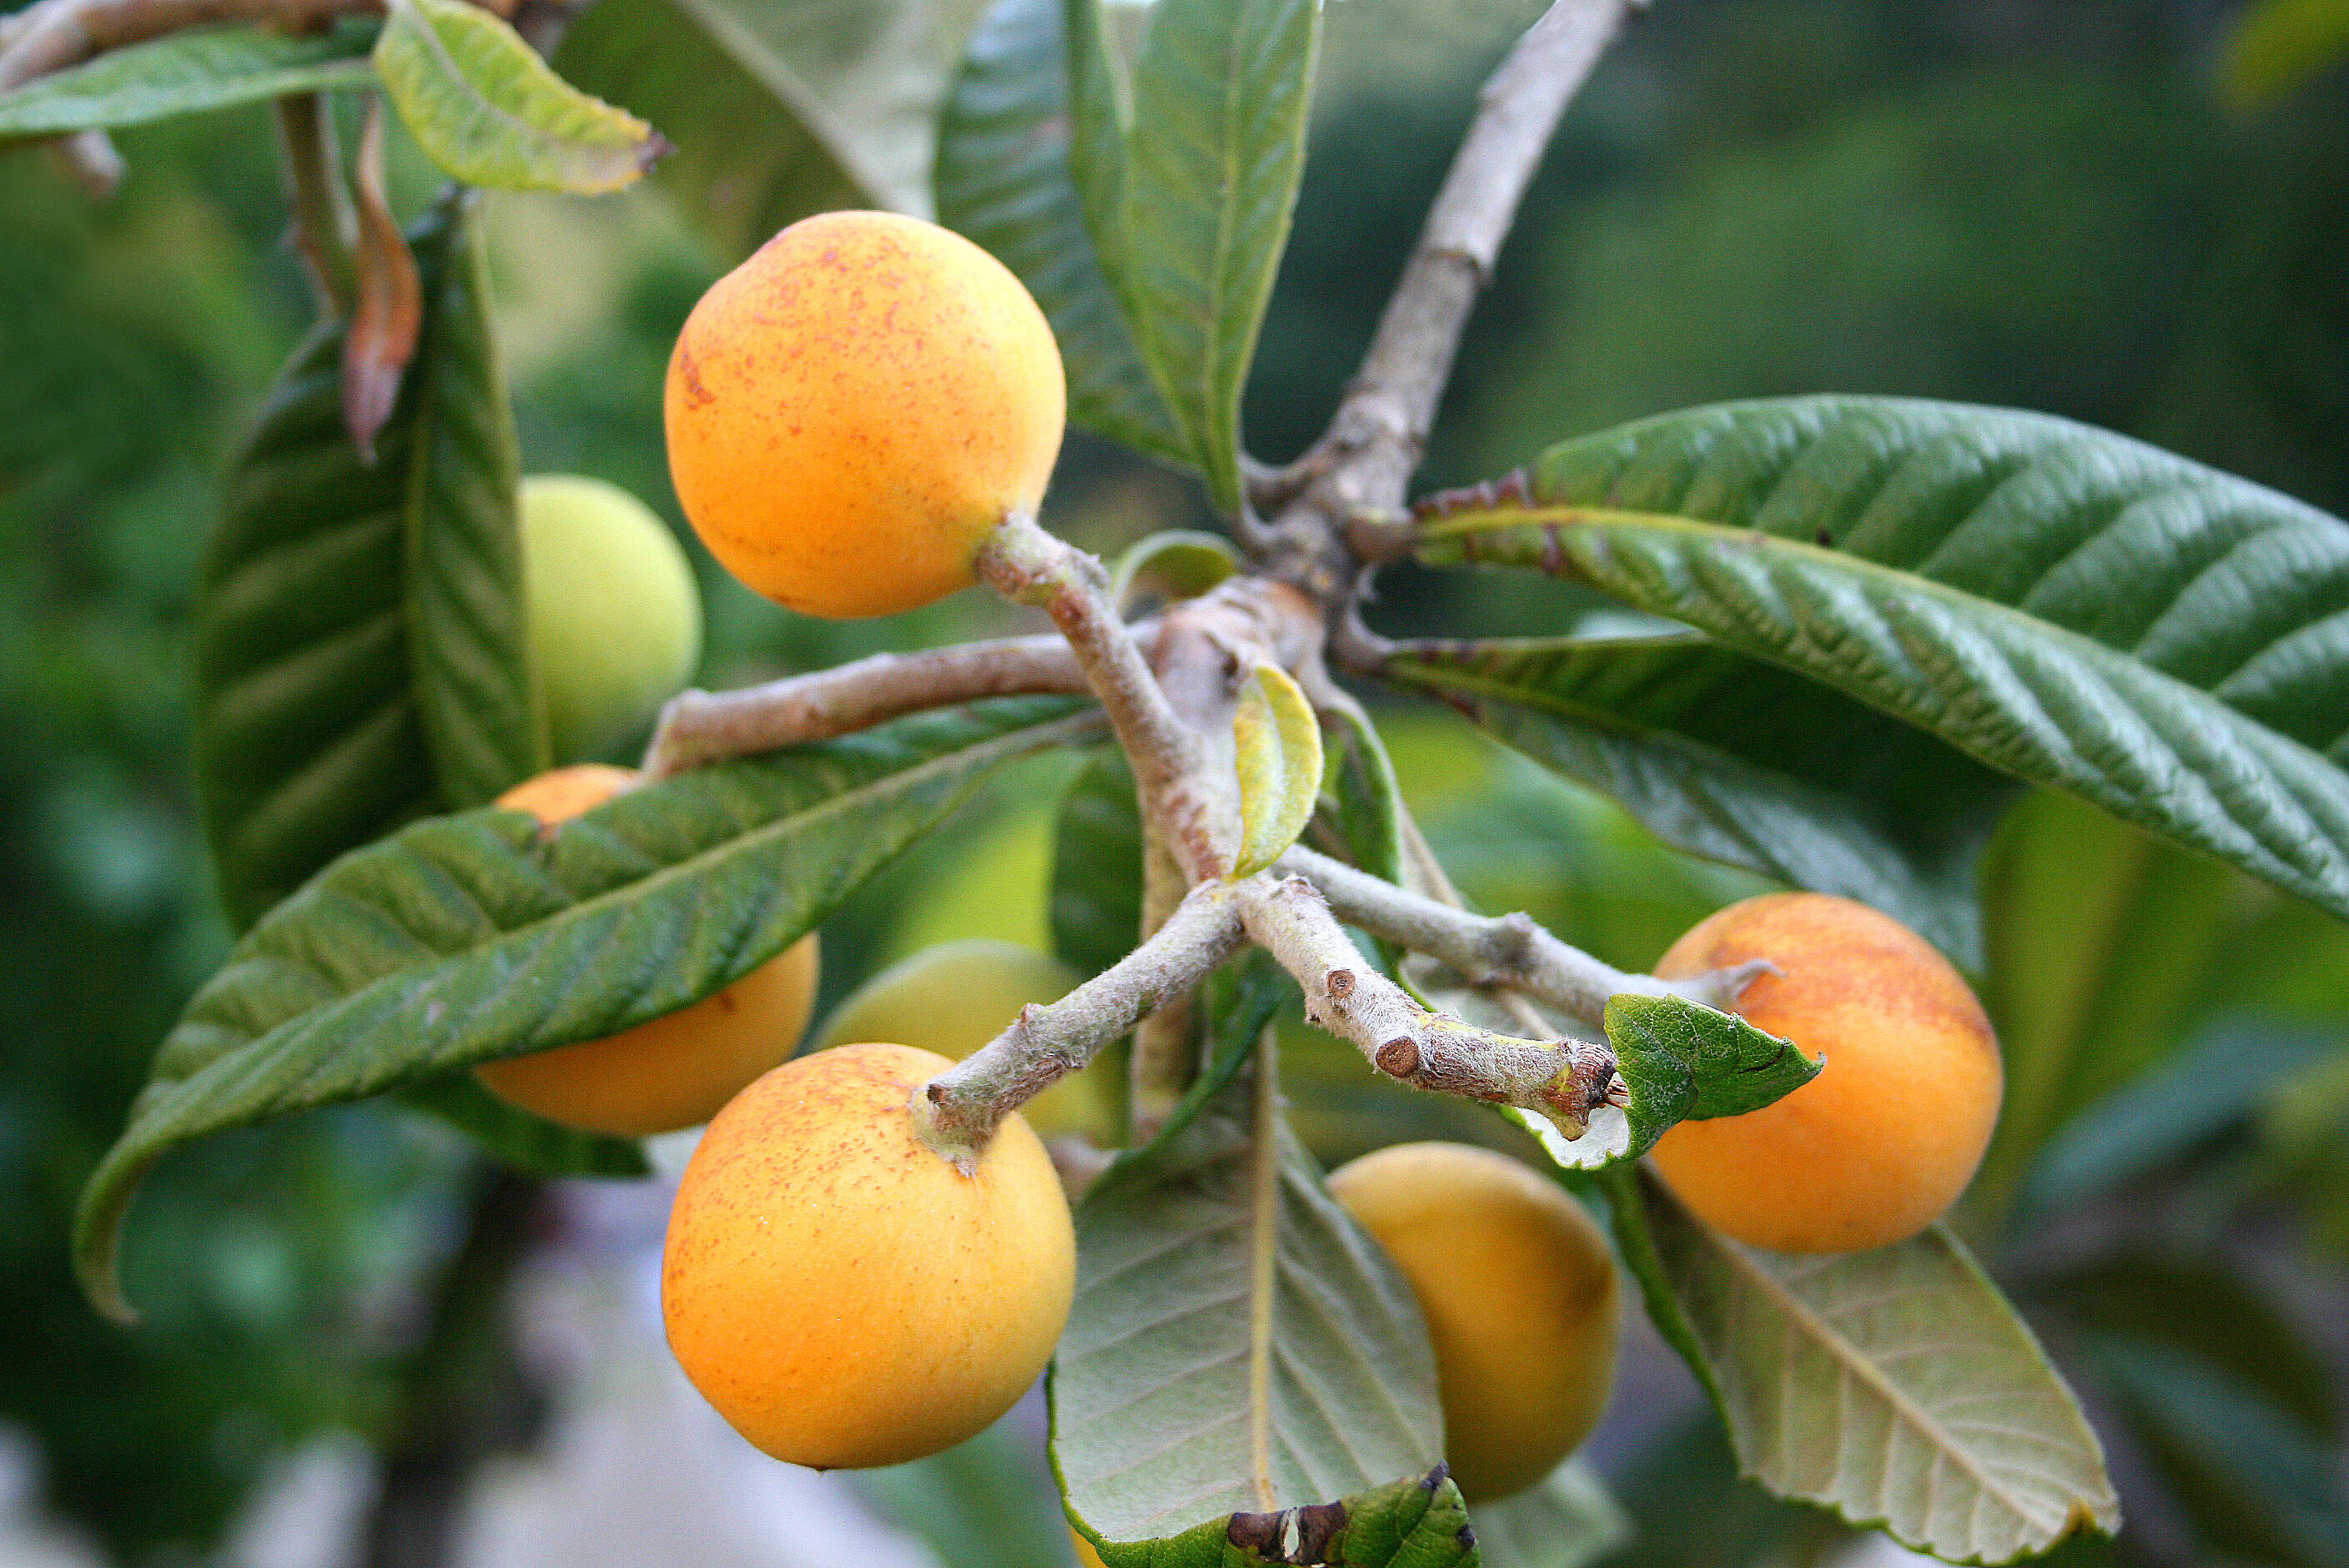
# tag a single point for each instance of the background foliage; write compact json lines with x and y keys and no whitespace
{"x":2053,"y":204}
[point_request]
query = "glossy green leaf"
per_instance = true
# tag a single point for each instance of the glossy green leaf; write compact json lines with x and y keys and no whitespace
{"x":187,"y":73}
{"x":1566,"y":1521}
{"x":1276,"y":744}
{"x":1682,"y":1060}
{"x":864,"y":78}
{"x":1740,"y":762}
{"x":1678,"y":1059}
{"x":2069,"y":606}
{"x":1004,"y":180}
{"x":489,"y":111}
{"x":1203,"y":187}
{"x":463,"y":939}
{"x":1895,"y":1387}
{"x":1096,"y":900}
{"x":1239,"y":1345}
{"x":361,"y":657}
{"x":744,"y":166}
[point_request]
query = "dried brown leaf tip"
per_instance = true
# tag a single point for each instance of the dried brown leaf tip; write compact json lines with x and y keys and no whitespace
{"x":391,"y":310}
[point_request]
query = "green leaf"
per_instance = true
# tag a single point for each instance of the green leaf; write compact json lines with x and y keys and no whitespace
{"x":2275,"y":47}
{"x":1740,"y":762}
{"x":1416,"y":1523}
{"x":1566,"y":1522}
{"x":865,"y":77}
{"x":1097,"y":866}
{"x":744,"y":166}
{"x":2255,"y":1485}
{"x":187,"y":73}
{"x":1177,"y":564}
{"x":1678,"y":1059}
{"x":463,"y":939}
{"x":1239,"y":1345}
{"x":1895,"y":1387}
{"x":1361,"y":800}
{"x":2069,"y":606}
{"x":1682,"y":1060}
{"x":489,"y":111}
{"x":1206,"y":183}
{"x":361,"y":657}
{"x":2219,"y":1082}
{"x":1278,"y":745}
{"x":532,"y":1143}
{"x":1004,"y":180}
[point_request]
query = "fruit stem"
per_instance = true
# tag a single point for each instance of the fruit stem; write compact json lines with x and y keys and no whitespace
{"x":957,"y":1112}
{"x":698,"y":727}
{"x":1025,"y":563}
{"x":1499,"y":950}
{"x":1564,"y":1080}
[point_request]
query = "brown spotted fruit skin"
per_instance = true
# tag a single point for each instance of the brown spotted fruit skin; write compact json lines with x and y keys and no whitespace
{"x":852,"y":409}
{"x":1518,"y":1289}
{"x":669,"y":1072}
{"x":842,"y":1295}
{"x":1880,"y":1143}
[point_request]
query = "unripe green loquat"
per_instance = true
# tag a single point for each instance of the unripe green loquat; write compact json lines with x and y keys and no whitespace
{"x":614,"y":612}
{"x":956,"y":996}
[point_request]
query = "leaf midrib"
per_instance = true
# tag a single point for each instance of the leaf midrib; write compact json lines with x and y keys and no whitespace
{"x":2086,"y":649}
{"x":556,"y":140}
{"x":662,"y":875}
{"x":1847,"y":1355}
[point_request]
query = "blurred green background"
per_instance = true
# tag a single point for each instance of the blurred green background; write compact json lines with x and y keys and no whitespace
{"x":2049,"y":203}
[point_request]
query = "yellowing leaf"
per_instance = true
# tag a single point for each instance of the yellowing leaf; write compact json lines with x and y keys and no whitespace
{"x":490,"y":112}
{"x":1279,"y":755}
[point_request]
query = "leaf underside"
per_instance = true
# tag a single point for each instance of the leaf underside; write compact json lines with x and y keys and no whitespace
{"x":1896,"y":1387}
{"x":2068,"y":606}
{"x":1277,"y":742}
{"x":864,"y":78}
{"x":1237,"y":1346}
{"x":744,"y":166}
{"x":1741,"y":762}
{"x":463,"y":939}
